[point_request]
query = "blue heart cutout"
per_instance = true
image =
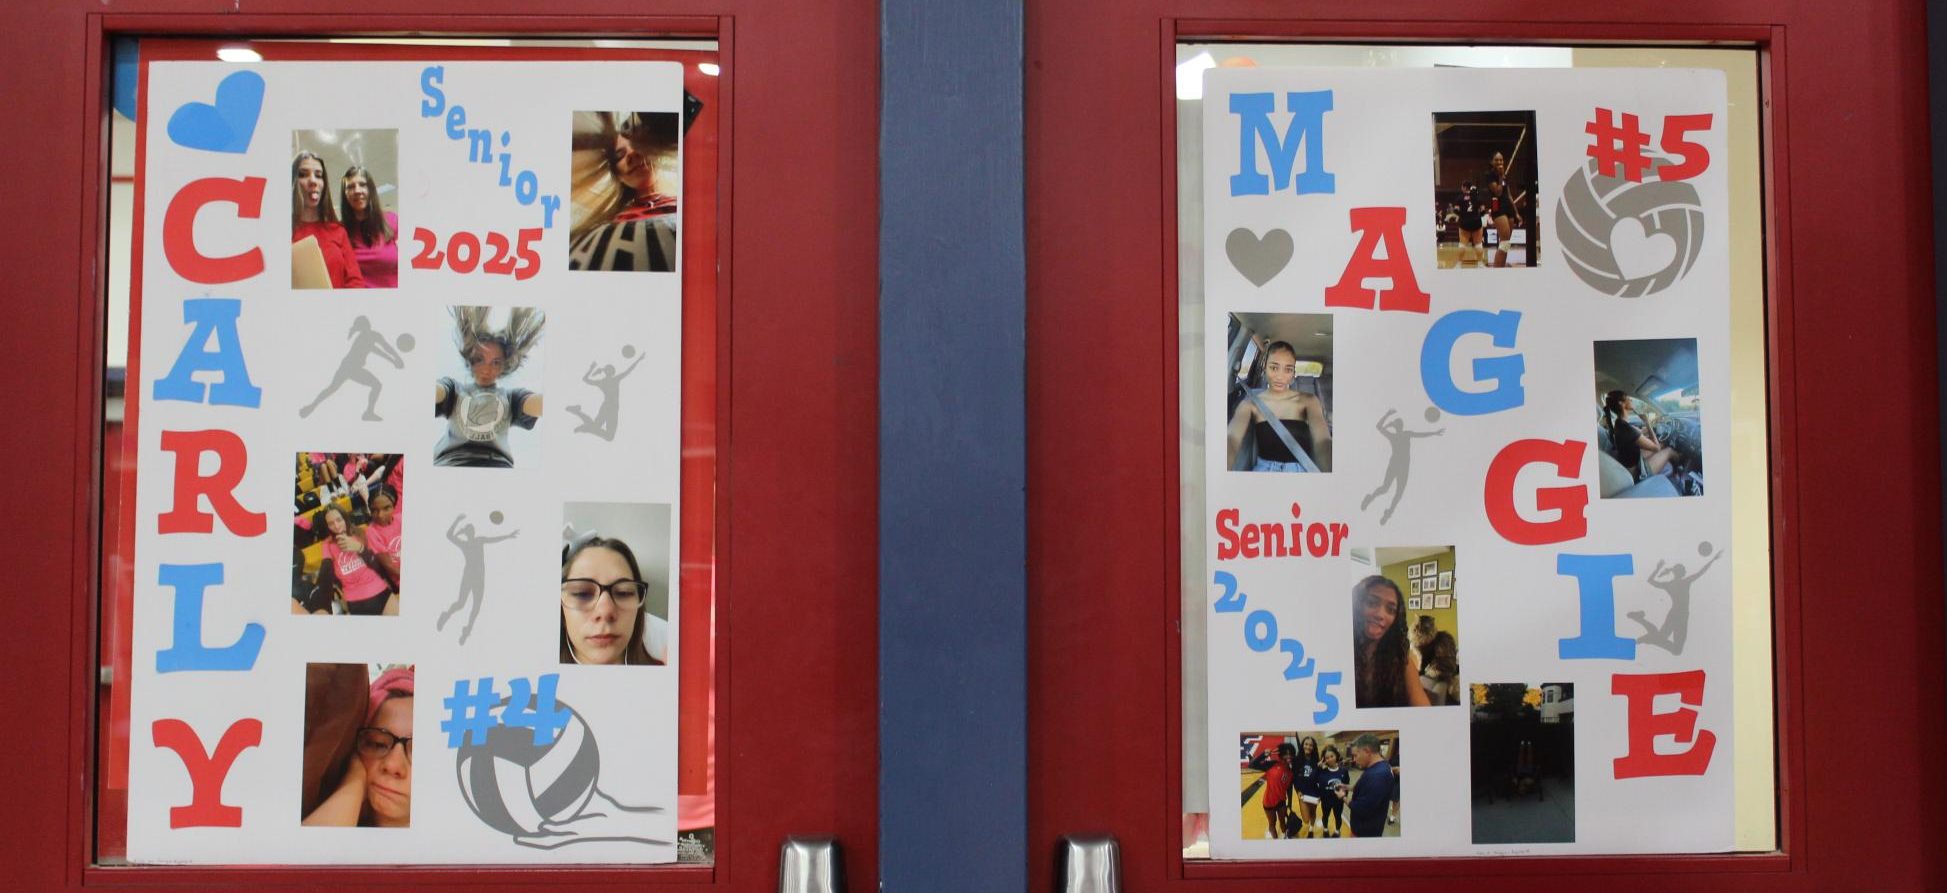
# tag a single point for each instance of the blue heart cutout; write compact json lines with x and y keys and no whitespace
{"x":227,"y":124}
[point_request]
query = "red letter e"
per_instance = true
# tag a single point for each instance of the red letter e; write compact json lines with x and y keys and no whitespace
{"x":1646,"y":725}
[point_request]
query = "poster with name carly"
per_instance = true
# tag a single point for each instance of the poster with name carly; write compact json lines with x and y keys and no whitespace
{"x":394,"y":310}
{"x":1467,"y":360}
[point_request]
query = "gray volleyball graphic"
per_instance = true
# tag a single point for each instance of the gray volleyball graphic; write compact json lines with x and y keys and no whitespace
{"x":1591,"y":206}
{"x":514,"y":785}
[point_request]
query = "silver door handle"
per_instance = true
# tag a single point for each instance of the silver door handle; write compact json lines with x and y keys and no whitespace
{"x":810,"y":865}
{"x":1089,"y":863}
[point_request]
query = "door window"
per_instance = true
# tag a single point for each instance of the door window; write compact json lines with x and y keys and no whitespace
{"x":1503,"y":761}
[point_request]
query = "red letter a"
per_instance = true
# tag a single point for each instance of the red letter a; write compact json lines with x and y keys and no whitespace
{"x":1376,"y":226}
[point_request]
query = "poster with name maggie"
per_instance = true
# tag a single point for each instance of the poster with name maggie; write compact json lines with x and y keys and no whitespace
{"x":1467,"y":353}
{"x":391,"y":311}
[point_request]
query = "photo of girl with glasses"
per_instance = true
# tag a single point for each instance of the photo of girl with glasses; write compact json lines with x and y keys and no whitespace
{"x":602,"y":592}
{"x":614,"y":596}
{"x":357,"y":746}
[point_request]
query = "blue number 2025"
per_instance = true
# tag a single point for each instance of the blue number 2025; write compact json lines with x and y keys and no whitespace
{"x":1261,"y":633}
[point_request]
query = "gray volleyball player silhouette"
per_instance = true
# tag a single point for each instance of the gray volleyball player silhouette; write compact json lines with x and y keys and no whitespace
{"x":1675,"y":629}
{"x":609,"y":383}
{"x":1393,"y":428}
{"x":473,"y":573}
{"x":366,"y":341}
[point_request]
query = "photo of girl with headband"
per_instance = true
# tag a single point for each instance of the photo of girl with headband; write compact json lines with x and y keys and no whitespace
{"x":357,"y":747}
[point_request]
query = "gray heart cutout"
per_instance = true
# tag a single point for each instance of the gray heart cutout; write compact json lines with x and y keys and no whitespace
{"x":1258,"y":259}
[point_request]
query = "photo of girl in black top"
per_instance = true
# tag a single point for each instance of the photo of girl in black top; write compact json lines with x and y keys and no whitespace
{"x":1278,"y":396}
{"x":1636,"y":448}
{"x":1649,"y":420}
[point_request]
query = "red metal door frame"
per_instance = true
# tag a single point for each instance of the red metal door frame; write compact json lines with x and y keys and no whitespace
{"x":1106,"y":251}
{"x":806,"y":99}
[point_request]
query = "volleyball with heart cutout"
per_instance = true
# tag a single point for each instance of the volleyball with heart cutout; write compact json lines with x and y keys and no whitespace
{"x":1625,"y":238}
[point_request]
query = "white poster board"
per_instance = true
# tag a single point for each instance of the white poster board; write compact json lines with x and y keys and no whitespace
{"x":283,"y":647}
{"x":1498,"y":385}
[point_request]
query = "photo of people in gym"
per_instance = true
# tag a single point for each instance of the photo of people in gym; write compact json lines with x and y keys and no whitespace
{"x":476,"y":401}
{"x":1279,"y":392}
{"x":626,"y":177}
{"x":1484,"y":195}
{"x":1319,"y":784}
{"x":1430,"y":622}
{"x":1649,"y":422}
{"x":357,"y":769}
{"x":1522,"y":752}
{"x":344,"y":209}
{"x":346,"y":538}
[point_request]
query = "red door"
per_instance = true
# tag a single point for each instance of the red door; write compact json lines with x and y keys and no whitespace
{"x":762,"y":679}
{"x":1117,"y":699}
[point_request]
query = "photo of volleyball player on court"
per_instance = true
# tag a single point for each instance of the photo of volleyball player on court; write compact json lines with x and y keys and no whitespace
{"x":1484,"y":195}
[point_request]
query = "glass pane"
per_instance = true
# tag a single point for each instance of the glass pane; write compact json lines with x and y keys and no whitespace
{"x":563,"y":245}
{"x":1460,"y":266}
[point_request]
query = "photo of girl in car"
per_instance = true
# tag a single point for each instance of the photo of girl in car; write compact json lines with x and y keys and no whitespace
{"x":1279,"y":392}
{"x":1649,"y":421}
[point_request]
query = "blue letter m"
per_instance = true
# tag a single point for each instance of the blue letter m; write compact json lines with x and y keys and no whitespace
{"x":1253,"y":111}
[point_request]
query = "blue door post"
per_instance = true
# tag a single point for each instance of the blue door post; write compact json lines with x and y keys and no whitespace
{"x":952,"y":449}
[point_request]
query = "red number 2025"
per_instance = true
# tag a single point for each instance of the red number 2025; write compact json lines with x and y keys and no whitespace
{"x":462,"y":254}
